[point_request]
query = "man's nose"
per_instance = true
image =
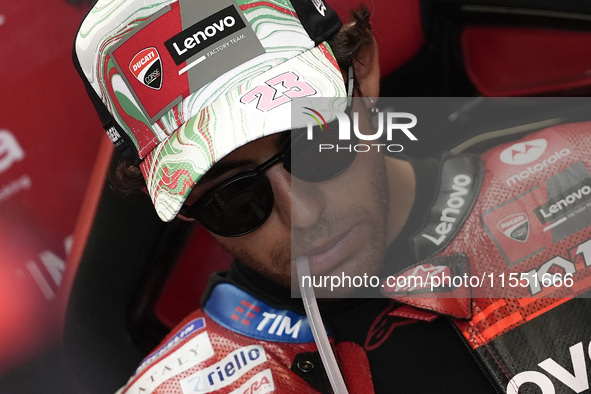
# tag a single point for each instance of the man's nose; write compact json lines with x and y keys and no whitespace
{"x":299,"y":204}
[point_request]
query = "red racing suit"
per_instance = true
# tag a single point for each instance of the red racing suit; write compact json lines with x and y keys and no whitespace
{"x":239,"y":344}
{"x":509,"y":228}
{"x":518,"y":227}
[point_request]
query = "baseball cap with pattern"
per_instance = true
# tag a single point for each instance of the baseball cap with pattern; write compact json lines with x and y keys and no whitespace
{"x":179,"y":84}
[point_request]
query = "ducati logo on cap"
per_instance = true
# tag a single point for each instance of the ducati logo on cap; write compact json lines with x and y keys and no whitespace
{"x":147,"y":68}
{"x":515,"y":226}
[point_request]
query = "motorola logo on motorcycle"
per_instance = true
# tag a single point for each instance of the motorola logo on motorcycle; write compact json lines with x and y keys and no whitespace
{"x":524,"y":152}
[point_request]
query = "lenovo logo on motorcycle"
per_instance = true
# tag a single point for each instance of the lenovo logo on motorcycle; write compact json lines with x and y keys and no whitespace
{"x":577,"y":380}
{"x":577,"y":195}
{"x":459,"y":184}
{"x":451,"y":211}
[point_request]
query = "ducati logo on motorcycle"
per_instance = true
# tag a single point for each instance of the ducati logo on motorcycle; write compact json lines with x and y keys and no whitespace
{"x":147,"y":68}
{"x":515,"y":226}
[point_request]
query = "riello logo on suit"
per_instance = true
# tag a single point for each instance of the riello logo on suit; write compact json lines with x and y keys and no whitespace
{"x":147,"y":68}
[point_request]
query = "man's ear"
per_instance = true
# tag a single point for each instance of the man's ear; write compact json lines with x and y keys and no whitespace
{"x":179,"y":215}
{"x":182,"y":215}
{"x":184,"y":218}
{"x":367,"y":71}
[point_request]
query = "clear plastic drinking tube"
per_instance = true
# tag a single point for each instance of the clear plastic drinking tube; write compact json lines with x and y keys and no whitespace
{"x":318,"y":331}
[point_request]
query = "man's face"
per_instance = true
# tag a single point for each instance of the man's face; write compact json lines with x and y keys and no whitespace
{"x":340,"y":224}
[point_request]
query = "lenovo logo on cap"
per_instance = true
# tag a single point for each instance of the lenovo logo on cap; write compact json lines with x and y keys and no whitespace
{"x":204,"y":34}
{"x":147,"y":68}
{"x":524,"y":152}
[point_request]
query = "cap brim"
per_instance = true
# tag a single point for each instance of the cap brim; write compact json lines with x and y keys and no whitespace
{"x":174,"y":167}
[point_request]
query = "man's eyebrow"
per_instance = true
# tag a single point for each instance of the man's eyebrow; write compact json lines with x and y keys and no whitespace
{"x":220,"y":168}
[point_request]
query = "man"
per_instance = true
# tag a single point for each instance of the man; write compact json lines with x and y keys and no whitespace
{"x":197,"y":93}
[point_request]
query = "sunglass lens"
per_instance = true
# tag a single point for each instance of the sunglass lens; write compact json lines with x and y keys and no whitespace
{"x":238,"y":207}
{"x":318,"y":160}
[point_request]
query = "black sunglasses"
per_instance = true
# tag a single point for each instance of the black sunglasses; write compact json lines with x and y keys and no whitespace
{"x":242,"y":203}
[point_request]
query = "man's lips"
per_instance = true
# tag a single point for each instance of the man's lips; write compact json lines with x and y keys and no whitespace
{"x":326,"y":257}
